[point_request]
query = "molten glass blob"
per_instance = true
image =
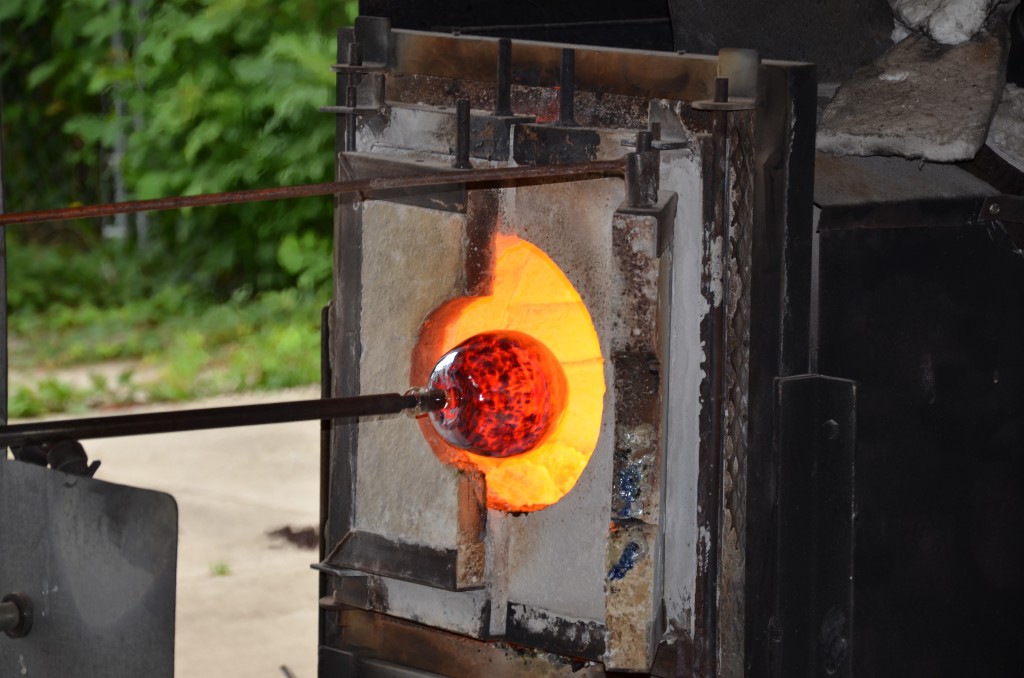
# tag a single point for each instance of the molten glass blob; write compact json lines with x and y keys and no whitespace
{"x":530,"y":295}
{"x":505,"y":392}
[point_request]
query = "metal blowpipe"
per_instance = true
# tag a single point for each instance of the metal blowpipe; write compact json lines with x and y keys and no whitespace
{"x":417,"y":400}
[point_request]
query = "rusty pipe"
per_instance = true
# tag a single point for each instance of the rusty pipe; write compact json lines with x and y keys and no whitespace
{"x":365,"y":187}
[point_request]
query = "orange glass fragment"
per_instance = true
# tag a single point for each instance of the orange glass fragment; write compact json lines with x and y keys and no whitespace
{"x":531,"y":296}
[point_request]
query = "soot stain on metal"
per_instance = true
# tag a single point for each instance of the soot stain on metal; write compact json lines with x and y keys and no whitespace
{"x":544,"y":145}
{"x":572,"y":638}
{"x":376,"y":594}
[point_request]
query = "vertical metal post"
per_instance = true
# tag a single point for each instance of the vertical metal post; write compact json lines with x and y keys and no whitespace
{"x":721,"y":90}
{"x":462,"y":133}
{"x":326,"y":426}
{"x":3,"y":290}
{"x":567,"y":89}
{"x":503,"y":95}
{"x":340,"y":81}
{"x":355,"y":58}
{"x":714,"y":333}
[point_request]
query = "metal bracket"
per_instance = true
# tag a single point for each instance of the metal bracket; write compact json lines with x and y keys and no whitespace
{"x":1002,"y":208}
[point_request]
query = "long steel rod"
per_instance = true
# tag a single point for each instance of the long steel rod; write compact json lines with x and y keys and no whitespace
{"x":566,"y":172}
{"x":215,"y":417}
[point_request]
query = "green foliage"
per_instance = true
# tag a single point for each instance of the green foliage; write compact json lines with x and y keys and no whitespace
{"x":220,"y":568}
{"x":201,"y":96}
{"x":168,"y":97}
{"x":49,"y":395}
{"x":267,"y":342}
{"x":303,"y":257}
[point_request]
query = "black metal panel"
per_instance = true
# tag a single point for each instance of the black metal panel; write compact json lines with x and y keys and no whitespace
{"x":714,"y":160}
{"x":779,"y":320}
{"x":339,"y":664}
{"x":536,"y":627}
{"x":643,"y":24}
{"x":98,"y":562}
{"x":930,"y":323}
{"x":838,"y":36}
{"x":335,"y":663}
{"x":814,"y":607}
{"x":935,"y":213}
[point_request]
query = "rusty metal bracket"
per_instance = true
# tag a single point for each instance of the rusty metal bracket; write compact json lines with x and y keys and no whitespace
{"x":664,"y":210}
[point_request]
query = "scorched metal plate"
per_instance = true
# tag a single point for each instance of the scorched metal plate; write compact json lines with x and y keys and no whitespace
{"x":98,"y":562}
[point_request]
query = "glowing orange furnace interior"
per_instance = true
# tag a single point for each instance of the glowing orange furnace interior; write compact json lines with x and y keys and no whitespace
{"x":531,"y":296}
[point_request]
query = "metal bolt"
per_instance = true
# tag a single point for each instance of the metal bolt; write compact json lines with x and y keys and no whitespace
{"x":10,"y":616}
{"x":16,"y":615}
{"x":994,"y":208}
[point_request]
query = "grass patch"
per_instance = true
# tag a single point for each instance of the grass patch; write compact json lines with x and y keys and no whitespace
{"x":188,"y":350}
{"x":221,"y":568}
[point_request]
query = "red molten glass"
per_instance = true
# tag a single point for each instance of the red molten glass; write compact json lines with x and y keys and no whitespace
{"x":505,"y":392}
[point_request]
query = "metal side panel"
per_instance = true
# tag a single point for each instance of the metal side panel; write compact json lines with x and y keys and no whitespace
{"x":98,"y":563}
{"x":816,"y":431}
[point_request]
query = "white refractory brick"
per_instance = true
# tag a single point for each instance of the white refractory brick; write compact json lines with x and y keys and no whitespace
{"x":1006,"y":135}
{"x":949,"y":22}
{"x":919,"y":100}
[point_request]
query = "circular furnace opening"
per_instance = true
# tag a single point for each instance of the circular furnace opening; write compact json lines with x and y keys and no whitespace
{"x":530,"y":297}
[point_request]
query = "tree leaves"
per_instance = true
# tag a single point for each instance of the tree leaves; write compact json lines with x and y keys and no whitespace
{"x":211,"y":95}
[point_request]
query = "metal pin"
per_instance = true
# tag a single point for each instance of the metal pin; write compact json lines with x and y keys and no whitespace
{"x":721,"y":90}
{"x":462,"y":135}
{"x":355,"y":54}
{"x":567,"y":89}
{"x":503,"y":95}
{"x":351,"y":97}
{"x":643,"y":141}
